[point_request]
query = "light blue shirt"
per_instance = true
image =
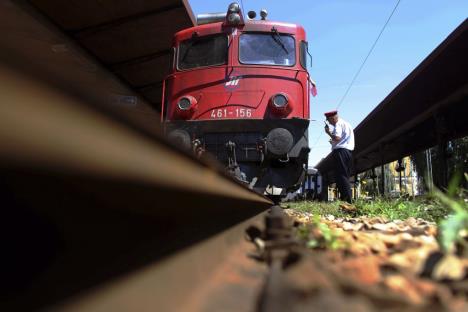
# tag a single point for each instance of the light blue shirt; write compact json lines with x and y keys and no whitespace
{"x":344,"y":130}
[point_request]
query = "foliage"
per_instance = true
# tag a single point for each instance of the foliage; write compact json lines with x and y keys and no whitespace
{"x":318,"y":235}
{"x":449,"y":209}
{"x":452,"y":228}
{"x":428,"y":207}
{"x":317,"y":208}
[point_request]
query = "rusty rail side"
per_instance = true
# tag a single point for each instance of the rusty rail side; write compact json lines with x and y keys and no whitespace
{"x":174,"y":284}
{"x":86,"y":199}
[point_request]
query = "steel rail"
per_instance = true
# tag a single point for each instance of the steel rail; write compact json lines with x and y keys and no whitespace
{"x":189,"y":280}
{"x":87,"y":199}
{"x":59,"y":133}
{"x":94,"y":199}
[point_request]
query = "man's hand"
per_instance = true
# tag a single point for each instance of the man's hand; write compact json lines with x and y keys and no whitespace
{"x":327,"y":129}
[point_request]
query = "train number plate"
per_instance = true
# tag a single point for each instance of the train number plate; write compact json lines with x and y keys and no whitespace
{"x":230,"y":112}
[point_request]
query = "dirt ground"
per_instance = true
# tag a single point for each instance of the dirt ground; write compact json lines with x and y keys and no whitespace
{"x":373,"y":264}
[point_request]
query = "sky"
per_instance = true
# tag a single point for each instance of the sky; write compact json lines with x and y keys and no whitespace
{"x":341,"y":33}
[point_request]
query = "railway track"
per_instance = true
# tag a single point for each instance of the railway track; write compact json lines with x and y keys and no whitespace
{"x":99,"y":210}
{"x":89,"y":199}
{"x":101,"y":213}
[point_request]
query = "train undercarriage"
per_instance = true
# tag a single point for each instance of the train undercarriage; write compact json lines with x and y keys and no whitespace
{"x":268,"y":155}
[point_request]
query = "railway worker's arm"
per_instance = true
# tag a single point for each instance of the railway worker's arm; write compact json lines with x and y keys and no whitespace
{"x":334,"y":134}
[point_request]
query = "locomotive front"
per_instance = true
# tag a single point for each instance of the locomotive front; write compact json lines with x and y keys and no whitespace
{"x":240,"y":91}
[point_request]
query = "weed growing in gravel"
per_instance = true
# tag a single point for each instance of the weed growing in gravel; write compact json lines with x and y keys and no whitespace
{"x":449,"y":210}
{"x":454,"y":229}
{"x":318,"y":235}
{"x":429,"y":208}
{"x":314,"y":207}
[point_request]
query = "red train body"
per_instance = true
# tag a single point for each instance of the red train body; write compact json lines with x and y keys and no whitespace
{"x":240,"y":90}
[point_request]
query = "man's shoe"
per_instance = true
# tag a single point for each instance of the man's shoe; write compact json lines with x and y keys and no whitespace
{"x":348,"y":207}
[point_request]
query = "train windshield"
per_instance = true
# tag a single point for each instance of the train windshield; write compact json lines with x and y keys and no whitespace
{"x":202,"y":51}
{"x":267,"y":49}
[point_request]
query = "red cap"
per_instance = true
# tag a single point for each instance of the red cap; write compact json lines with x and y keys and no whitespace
{"x":331,"y":113}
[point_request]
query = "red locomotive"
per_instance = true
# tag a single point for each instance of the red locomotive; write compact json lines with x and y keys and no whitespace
{"x":239,"y":89}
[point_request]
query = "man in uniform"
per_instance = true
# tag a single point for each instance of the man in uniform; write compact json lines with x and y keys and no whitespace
{"x":342,"y":141}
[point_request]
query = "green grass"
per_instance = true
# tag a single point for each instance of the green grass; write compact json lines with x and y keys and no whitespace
{"x":316,"y":208}
{"x":427,"y":208}
{"x":454,"y":229}
{"x":449,"y":210}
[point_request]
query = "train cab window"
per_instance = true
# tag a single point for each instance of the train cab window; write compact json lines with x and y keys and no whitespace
{"x":303,"y":54}
{"x":202,"y":51}
{"x":267,"y":49}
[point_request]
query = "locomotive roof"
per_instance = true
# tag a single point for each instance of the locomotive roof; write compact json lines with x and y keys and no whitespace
{"x":250,"y":25}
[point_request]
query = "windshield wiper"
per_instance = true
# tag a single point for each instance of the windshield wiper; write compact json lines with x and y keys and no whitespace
{"x":195,"y":39}
{"x":277,"y":37}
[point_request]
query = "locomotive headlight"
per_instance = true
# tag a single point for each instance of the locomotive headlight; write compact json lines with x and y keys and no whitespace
{"x":234,"y":7}
{"x":184,"y":104}
{"x":233,"y":15}
{"x":280,"y":104}
{"x":233,"y":18}
{"x":280,"y":100}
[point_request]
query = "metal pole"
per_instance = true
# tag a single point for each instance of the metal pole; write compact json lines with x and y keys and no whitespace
{"x":356,"y":186}
{"x":429,"y":170}
{"x":324,"y":191}
{"x":374,"y":182}
{"x":405,"y":178}
{"x":382,"y":170}
{"x":383,"y":179}
{"x":443,"y":164}
{"x":399,"y":173}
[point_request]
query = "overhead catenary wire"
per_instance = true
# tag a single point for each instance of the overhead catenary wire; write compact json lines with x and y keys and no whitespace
{"x":242,"y":7}
{"x":368,"y":54}
{"x":362,"y":65}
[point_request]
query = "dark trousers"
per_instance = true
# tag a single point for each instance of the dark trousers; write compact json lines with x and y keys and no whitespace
{"x":343,"y":161}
